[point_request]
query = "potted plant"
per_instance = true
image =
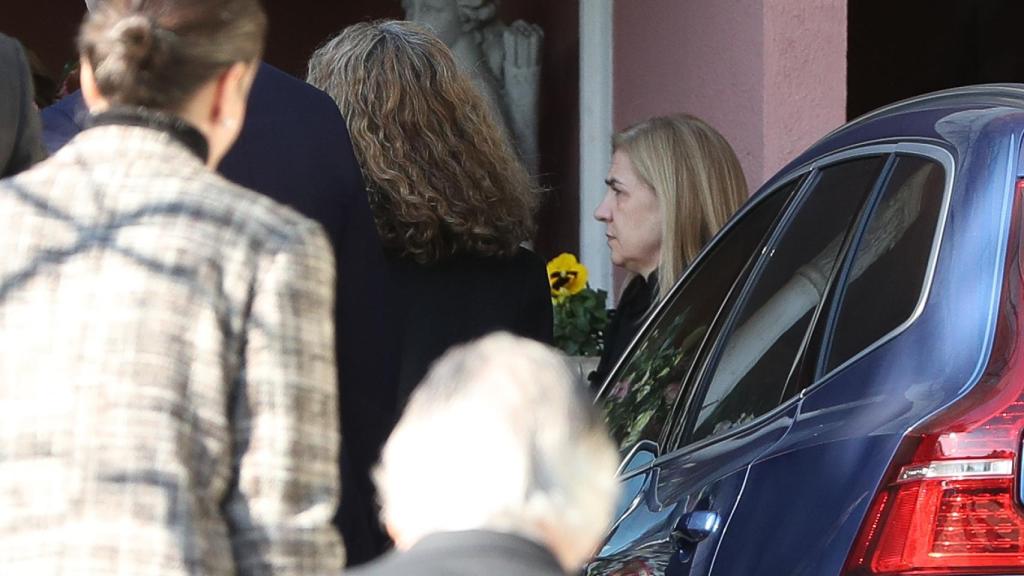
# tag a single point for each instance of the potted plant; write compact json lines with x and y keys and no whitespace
{"x":580,"y":313}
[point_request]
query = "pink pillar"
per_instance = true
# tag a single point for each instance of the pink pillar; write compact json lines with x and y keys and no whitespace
{"x":769,"y":74}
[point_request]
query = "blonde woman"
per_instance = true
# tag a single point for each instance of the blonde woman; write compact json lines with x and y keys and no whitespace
{"x":451,"y":200}
{"x":673,"y":183}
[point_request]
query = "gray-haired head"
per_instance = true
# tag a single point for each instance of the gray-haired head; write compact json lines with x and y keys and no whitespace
{"x":92,"y":4}
{"x":501,"y":435}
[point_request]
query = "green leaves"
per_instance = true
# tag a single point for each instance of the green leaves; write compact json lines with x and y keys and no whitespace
{"x":580,"y":322}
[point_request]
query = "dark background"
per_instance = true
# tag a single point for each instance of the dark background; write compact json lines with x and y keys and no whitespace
{"x":297,"y":27}
{"x":899,"y":49}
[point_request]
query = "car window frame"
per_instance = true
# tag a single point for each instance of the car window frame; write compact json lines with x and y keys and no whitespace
{"x":931,"y":150}
{"x":671,"y":441}
{"x":685,"y":424}
{"x":724,"y":312}
{"x":810,"y":372}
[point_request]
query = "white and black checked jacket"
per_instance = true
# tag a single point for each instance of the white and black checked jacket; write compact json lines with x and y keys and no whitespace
{"x":167,"y":380}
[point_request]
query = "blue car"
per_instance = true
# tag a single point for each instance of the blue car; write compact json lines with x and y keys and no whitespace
{"x":835,"y":385}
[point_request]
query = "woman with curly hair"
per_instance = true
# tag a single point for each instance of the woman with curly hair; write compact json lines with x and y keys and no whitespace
{"x":452,"y":202}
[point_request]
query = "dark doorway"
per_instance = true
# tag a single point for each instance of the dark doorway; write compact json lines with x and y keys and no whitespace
{"x":901,"y":49}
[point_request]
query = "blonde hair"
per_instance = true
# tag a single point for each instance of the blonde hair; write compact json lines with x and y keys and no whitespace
{"x":441,"y":177}
{"x":697,"y":178}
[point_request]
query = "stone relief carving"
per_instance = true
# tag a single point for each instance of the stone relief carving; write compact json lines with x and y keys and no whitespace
{"x":502,"y":59}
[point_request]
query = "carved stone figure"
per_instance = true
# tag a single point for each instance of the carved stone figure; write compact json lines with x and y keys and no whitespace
{"x":503,"y":60}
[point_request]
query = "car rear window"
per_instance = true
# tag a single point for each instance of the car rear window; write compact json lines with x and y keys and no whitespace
{"x":890,"y":265}
{"x":756,"y":358}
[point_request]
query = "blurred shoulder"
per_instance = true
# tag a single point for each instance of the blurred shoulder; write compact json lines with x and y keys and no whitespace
{"x":260,"y":217}
{"x":8,"y":45}
{"x":12,"y":64}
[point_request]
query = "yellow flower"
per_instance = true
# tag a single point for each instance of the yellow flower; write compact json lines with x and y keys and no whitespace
{"x":566,"y":276}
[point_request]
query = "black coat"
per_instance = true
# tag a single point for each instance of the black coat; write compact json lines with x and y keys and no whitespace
{"x":20,"y":143}
{"x":470,"y":553}
{"x":634,"y":306}
{"x":464,"y":298}
{"x":295,"y":148}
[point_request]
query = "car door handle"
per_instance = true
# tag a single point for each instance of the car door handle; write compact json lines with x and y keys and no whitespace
{"x":695,"y":526}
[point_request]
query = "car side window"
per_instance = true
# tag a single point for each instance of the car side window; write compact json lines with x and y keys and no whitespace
{"x":639,"y":398}
{"x":891,"y":260}
{"x":755,"y":359}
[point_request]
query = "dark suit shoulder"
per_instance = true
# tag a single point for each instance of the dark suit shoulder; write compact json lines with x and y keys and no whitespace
{"x":275,"y":78}
{"x":295,"y":148}
{"x":468,"y":553}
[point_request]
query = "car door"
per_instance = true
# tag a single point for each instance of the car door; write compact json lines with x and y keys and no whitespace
{"x":855,"y":408}
{"x":705,"y":385}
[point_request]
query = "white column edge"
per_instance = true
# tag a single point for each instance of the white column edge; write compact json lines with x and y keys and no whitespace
{"x":596,"y":125}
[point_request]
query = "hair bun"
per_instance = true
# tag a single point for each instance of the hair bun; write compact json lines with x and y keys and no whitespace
{"x":136,"y":37}
{"x":157,"y":53}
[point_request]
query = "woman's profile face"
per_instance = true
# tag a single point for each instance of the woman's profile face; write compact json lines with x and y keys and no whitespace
{"x":441,"y":16}
{"x":631,"y":212}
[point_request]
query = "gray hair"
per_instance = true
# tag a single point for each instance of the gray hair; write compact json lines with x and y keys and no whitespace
{"x":501,"y":435}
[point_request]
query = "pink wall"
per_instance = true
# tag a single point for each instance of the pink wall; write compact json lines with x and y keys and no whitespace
{"x":805,"y":76}
{"x":771,"y":76}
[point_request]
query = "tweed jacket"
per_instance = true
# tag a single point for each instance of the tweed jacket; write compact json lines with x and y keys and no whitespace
{"x":167,"y":381}
{"x":295,"y":148}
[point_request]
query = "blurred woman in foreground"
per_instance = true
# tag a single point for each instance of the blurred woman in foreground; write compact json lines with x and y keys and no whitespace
{"x":167,"y":378}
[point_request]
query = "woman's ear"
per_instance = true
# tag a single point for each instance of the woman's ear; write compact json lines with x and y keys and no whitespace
{"x":231,"y":94}
{"x":225,"y":111}
{"x":90,"y":91}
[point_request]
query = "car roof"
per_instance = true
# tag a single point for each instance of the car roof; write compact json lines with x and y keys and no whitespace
{"x":915,"y":119}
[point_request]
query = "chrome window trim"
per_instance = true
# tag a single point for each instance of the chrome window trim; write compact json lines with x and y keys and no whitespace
{"x":810,"y":169}
{"x":930,"y":151}
{"x":762,"y":420}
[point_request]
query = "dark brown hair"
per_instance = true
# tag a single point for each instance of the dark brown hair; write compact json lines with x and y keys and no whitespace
{"x":442,"y":177}
{"x":156,"y":53}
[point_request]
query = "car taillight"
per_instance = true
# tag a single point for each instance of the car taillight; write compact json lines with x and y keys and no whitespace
{"x":952,"y":506}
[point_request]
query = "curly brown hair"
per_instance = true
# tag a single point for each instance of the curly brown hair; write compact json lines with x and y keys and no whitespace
{"x":441,"y":175}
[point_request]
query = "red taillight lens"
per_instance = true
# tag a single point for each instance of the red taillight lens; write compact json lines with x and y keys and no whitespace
{"x":953,"y":507}
{"x":945,"y":526}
